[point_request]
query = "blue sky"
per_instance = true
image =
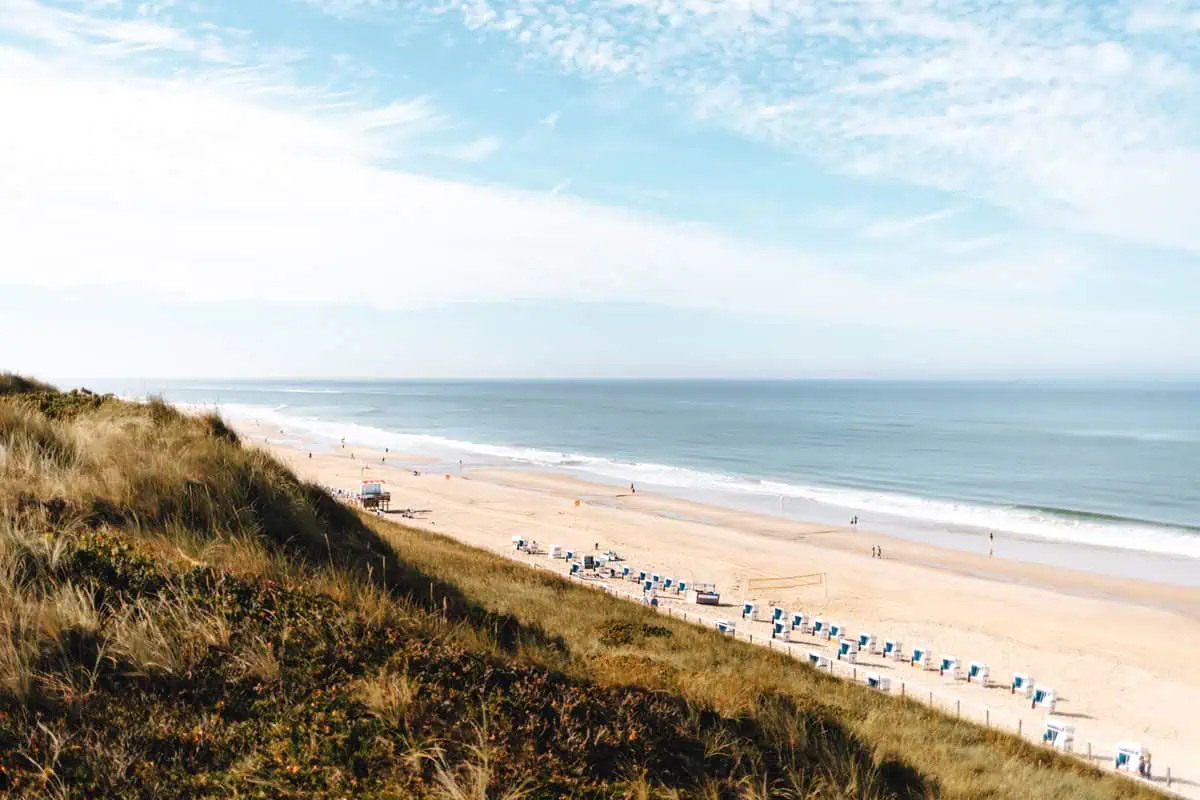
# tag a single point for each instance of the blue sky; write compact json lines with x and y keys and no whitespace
{"x":681,"y":187}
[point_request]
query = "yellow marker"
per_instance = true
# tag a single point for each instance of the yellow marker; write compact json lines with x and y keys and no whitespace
{"x":577,"y":504}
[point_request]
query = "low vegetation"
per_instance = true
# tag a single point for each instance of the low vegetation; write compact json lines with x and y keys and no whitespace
{"x":181,"y":616}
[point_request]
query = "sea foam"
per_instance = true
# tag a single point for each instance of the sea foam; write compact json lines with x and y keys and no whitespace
{"x":1043,"y":524}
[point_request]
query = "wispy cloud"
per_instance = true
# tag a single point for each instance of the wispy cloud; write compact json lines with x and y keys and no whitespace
{"x":550,"y":120}
{"x":108,"y":36}
{"x":1075,"y":115}
{"x":242,"y":182}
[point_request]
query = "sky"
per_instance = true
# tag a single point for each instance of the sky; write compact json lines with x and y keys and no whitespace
{"x":619,"y":188}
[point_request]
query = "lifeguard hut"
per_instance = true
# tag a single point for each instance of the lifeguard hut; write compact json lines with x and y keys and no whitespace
{"x":371,"y":495}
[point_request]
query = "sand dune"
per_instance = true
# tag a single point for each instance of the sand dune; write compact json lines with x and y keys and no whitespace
{"x":1123,"y":655}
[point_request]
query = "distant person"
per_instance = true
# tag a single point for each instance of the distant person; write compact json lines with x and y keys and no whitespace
{"x":632,"y":490}
{"x":991,"y":542}
{"x":880,"y":549}
{"x":873,"y":551}
{"x":310,"y":455}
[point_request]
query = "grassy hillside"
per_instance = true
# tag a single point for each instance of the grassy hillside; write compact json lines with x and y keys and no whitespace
{"x":180,"y":616}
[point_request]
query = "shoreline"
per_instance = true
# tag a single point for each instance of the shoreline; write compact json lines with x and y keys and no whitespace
{"x":1120,"y":652}
{"x":1171,"y":597}
{"x":1066,"y":552}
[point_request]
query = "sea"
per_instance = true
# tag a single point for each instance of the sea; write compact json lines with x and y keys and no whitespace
{"x":1100,"y":477}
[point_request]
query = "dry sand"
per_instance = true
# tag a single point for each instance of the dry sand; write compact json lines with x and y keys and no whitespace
{"x":1123,"y":655}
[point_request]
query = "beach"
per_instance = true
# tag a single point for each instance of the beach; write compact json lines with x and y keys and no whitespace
{"x":1120,"y":653}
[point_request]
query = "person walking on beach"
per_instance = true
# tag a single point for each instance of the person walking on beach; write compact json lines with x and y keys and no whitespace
{"x":632,"y":490}
{"x":991,"y":542}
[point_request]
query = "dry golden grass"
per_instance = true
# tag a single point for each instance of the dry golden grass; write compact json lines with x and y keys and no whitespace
{"x":120,"y":524}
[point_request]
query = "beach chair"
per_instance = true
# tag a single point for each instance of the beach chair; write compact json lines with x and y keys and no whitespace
{"x":867,"y":643}
{"x":778,"y":615}
{"x":819,"y":661}
{"x":749,"y":610}
{"x":820,"y":628}
{"x":848,"y":651}
{"x":1128,"y":755}
{"x":881,"y":682}
{"x":781,"y":631}
{"x":835,"y":630}
{"x":1022,"y":684}
{"x":923,"y":658}
{"x":1043,"y":697}
{"x":893,"y":649}
{"x":726,"y":627}
{"x":1059,"y":736}
{"x":949,"y":667}
{"x":799,"y":622}
{"x":978,"y":672}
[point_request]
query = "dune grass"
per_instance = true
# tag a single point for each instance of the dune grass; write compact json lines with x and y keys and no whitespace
{"x":180,"y":616}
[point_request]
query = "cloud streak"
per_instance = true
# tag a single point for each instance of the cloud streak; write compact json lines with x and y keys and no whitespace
{"x":1071,"y":114}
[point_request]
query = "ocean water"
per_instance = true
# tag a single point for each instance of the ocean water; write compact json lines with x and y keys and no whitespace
{"x":1113,"y":466}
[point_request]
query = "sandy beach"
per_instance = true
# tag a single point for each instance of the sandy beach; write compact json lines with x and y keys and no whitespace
{"x":1123,"y":655}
